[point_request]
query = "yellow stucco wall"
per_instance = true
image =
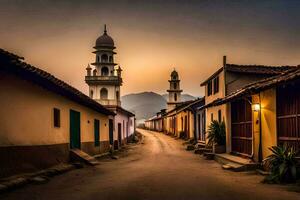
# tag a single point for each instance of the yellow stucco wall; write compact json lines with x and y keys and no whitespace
{"x":214,"y":110}
{"x":268,"y":120}
{"x":220,"y":94}
{"x":27,"y":115}
{"x":181,"y":123}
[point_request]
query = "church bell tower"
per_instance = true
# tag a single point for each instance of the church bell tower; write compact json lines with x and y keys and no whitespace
{"x":174,"y":91}
{"x":104,"y":78}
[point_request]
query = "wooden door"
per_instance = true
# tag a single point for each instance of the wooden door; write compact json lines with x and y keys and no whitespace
{"x":97,"y":132}
{"x":186,"y":127}
{"x":74,"y":129}
{"x":127,"y":137}
{"x":241,"y":127}
{"x":111,"y":131}
{"x":201,"y":125}
{"x":288,"y":115}
{"x":120,"y":133}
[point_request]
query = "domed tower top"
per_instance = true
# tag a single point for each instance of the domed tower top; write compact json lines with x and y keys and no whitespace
{"x":174,"y":75}
{"x":105,"y":40}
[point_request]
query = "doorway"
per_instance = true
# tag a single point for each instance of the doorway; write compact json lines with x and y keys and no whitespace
{"x":74,"y":129}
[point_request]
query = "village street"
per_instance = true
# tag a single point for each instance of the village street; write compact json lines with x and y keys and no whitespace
{"x":160,"y":168}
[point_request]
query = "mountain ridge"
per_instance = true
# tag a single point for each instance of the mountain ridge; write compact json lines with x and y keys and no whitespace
{"x":146,"y":104}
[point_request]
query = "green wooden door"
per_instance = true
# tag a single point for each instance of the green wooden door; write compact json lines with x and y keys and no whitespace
{"x":74,"y":129}
{"x":97,"y":132}
{"x":120,"y":133}
{"x":111,"y":131}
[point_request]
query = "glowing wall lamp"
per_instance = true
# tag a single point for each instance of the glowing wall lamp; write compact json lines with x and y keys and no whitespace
{"x":256,"y":107}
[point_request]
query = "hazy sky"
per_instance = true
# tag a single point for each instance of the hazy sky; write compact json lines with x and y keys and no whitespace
{"x":152,"y":37}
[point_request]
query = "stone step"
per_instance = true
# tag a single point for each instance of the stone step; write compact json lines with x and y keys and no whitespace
{"x":200,"y":145}
{"x":78,"y":155}
{"x":202,"y":150}
{"x":209,"y":155}
{"x":233,"y":167}
{"x":235,"y":163}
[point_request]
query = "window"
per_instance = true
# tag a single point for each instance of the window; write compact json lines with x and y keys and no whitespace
{"x":104,"y":58}
{"x":216,"y":85}
{"x":104,"y":71}
{"x":209,"y":88}
{"x":111,"y":60}
{"x":96,"y":132}
{"x":219,"y":115}
{"x":175,"y":97}
{"x":103,"y":93}
{"x":211,"y":117}
{"x":91,"y":93}
{"x":118,"y":95}
{"x":94,"y":72}
{"x":56,"y":117}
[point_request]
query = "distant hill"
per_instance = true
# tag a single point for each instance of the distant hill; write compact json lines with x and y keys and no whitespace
{"x":184,"y":97}
{"x":144,"y":105}
{"x":147,"y":104}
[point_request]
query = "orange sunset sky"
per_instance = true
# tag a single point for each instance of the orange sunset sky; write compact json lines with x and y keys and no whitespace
{"x":152,"y":37}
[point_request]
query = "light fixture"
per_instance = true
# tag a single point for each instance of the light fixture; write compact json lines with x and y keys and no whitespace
{"x":256,"y":107}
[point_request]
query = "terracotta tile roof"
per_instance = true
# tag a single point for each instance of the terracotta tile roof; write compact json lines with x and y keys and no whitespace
{"x":12,"y":63}
{"x":251,"y":69}
{"x":194,"y":104}
{"x":187,"y":104}
{"x":257,"y":69}
{"x":264,"y":84}
{"x":121,"y":110}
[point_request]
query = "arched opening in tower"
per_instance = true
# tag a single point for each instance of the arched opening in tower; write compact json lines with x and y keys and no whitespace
{"x":103,"y":93}
{"x":104,"y":58}
{"x":104,"y":71}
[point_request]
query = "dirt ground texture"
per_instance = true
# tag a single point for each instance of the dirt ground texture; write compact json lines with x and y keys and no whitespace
{"x":159,"y":168}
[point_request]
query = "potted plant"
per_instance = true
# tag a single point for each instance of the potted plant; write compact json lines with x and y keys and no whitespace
{"x":217,"y":136}
{"x":282,"y":164}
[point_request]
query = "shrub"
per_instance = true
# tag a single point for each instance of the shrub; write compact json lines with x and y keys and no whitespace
{"x":216,"y":133}
{"x":282,"y":164}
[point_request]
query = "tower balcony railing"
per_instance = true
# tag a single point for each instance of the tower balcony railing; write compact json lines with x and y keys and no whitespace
{"x":104,"y":78}
{"x":109,"y":102}
{"x":103,"y":63}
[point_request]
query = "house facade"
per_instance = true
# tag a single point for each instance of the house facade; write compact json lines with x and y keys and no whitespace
{"x":243,"y":123}
{"x":42,"y":118}
{"x":274,"y":117}
{"x":239,"y":123}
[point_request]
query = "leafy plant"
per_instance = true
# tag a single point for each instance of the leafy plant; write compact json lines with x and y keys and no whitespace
{"x":282,"y":164}
{"x":216,"y":133}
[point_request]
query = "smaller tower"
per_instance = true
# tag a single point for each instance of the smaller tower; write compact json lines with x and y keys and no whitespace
{"x":174,"y":91}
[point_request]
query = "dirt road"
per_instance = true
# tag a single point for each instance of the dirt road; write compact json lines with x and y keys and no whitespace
{"x":158,"y":169}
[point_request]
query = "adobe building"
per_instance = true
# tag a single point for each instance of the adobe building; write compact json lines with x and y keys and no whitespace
{"x":274,"y":117}
{"x":43,"y":118}
{"x":241,"y":123}
{"x":105,"y":80}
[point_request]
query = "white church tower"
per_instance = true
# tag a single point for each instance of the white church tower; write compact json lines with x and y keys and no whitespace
{"x":105,"y":79}
{"x":174,"y":91}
